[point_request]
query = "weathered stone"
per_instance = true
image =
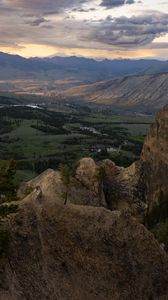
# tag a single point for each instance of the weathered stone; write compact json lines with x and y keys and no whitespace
{"x":154,"y":161}
{"x":80,"y":253}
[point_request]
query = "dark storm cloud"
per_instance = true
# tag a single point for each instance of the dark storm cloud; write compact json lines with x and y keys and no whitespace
{"x":116,"y":3}
{"x":42,"y":6}
{"x":134,"y":31}
{"x":83,"y":9}
{"x":36,"y":21}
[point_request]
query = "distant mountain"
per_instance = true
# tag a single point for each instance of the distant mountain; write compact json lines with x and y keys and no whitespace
{"x":74,"y":68}
{"x":141,"y":92}
{"x":106,"y":69}
{"x":116,"y":67}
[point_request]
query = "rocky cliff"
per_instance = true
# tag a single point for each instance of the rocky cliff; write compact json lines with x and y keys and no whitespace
{"x":85,"y":186}
{"x":80,"y":253}
{"x":121,"y":188}
{"x":99,"y":185}
{"x":94,"y":247}
{"x":154,"y":161}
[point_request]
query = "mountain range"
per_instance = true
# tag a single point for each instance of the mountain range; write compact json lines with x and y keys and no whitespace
{"x":77,"y":68}
{"x":125,"y":84}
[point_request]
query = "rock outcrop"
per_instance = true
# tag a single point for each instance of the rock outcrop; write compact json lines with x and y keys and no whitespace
{"x":143,"y":186}
{"x":121,"y":189}
{"x":154,"y":161}
{"x":85,"y":187}
{"x":87,"y":173}
{"x":117,"y":189}
{"x":80,"y":253}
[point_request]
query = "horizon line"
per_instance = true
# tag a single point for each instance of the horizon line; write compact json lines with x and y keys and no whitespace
{"x":85,"y":57}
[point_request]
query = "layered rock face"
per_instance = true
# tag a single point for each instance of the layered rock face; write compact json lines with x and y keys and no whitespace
{"x":88,"y":174}
{"x":120,"y":186}
{"x":144,"y":185}
{"x":80,"y":253}
{"x":116,"y":190}
{"x":85,"y":187}
{"x":154,"y":161}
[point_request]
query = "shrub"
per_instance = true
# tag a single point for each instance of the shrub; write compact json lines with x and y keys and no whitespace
{"x":7,"y":186}
{"x":65,"y":173}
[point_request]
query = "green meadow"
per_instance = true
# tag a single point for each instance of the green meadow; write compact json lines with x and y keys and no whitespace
{"x":39,"y":138}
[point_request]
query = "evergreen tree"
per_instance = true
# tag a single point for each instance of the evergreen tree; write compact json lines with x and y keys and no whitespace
{"x":7,"y":186}
{"x":65,"y":177}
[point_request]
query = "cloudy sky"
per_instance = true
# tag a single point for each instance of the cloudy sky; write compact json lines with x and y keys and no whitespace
{"x":92,"y":28}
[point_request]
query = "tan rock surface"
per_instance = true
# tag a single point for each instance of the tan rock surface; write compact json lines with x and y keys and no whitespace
{"x":121,"y":188}
{"x":79,"y":192}
{"x":80,"y":253}
{"x":154,"y":160}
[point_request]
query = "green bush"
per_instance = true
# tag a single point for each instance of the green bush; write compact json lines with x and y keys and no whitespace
{"x":7,"y":174}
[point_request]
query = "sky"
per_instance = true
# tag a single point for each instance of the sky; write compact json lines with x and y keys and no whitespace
{"x":92,"y":28}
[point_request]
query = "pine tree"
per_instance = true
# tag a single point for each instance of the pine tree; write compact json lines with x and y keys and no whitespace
{"x":7,"y":173}
{"x":65,"y":177}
